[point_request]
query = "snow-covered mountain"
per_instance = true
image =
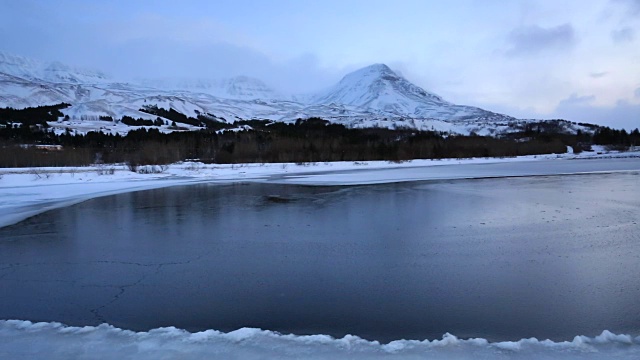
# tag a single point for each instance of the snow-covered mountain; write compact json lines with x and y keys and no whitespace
{"x":237,"y":88}
{"x":378,"y":87}
{"x":55,"y":72}
{"x":380,"y":90}
{"x":372,"y":96}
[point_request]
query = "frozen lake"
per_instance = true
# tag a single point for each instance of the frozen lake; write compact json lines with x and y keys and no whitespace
{"x":503,"y":259}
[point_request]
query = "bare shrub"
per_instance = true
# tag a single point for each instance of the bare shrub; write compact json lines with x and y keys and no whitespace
{"x":152,"y":169}
{"x":397,"y":161}
{"x":105,"y":170}
{"x":192,"y":167}
{"x":617,"y":147}
{"x":133,"y":167}
{"x":39,"y":174}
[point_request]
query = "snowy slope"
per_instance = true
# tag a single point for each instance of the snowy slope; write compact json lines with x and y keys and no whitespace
{"x":372,"y":96}
{"x":20,"y":66}
{"x":380,"y":90}
{"x":377,"y":86}
{"x":54,"y":72}
{"x":237,"y":88}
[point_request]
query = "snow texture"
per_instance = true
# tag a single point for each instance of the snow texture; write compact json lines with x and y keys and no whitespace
{"x":26,"y":192}
{"x":24,"y":339}
{"x":374,"y":96}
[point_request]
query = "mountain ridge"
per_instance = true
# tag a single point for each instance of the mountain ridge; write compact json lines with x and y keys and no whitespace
{"x":373,"y":96}
{"x":375,"y":80}
{"x":54,"y":71}
{"x":237,"y":87}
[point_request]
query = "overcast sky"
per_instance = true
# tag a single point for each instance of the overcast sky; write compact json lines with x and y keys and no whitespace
{"x":573,"y":59}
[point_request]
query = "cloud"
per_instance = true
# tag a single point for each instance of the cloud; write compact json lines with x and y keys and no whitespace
{"x":622,"y":115}
{"x":633,"y":6}
{"x":575,"y":100}
{"x":597,"y":75}
{"x":148,"y":45}
{"x":637,"y":93}
{"x":625,"y":34}
{"x":532,"y":40}
{"x":172,"y":58}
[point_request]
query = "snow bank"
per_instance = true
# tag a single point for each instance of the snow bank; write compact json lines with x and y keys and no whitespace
{"x":27,"y":192}
{"x":24,"y":339}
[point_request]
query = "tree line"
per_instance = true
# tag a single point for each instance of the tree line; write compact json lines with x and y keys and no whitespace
{"x":32,"y":115}
{"x":305,"y":141}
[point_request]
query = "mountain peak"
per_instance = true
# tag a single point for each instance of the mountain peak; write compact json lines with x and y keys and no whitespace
{"x":372,"y":72}
{"x":17,"y":65}
{"x":380,"y":68}
{"x":54,"y":71}
{"x":374,"y":94}
{"x":248,"y":88}
{"x":377,"y":87}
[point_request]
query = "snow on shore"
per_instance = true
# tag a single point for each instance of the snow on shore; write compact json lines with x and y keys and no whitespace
{"x":24,"y":339}
{"x":25,"y":192}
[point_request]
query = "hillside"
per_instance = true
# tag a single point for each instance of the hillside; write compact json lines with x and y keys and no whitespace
{"x":374,"y":96}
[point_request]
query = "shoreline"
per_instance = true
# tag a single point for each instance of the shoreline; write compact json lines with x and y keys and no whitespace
{"x":254,"y":343}
{"x":26,"y":192}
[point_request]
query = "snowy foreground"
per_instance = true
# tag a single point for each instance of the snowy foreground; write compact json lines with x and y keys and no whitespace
{"x":24,"y":339}
{"x":26,"y":192}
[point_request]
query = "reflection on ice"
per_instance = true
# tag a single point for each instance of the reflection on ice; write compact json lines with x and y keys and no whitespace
{"x":501,"y":259}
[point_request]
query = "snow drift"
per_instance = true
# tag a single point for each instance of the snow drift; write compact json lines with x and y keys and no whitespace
{"x":53,"y":340}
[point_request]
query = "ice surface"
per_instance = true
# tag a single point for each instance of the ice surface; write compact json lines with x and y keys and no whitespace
{"x":27,"y":192}
{"x":25,"y":339}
